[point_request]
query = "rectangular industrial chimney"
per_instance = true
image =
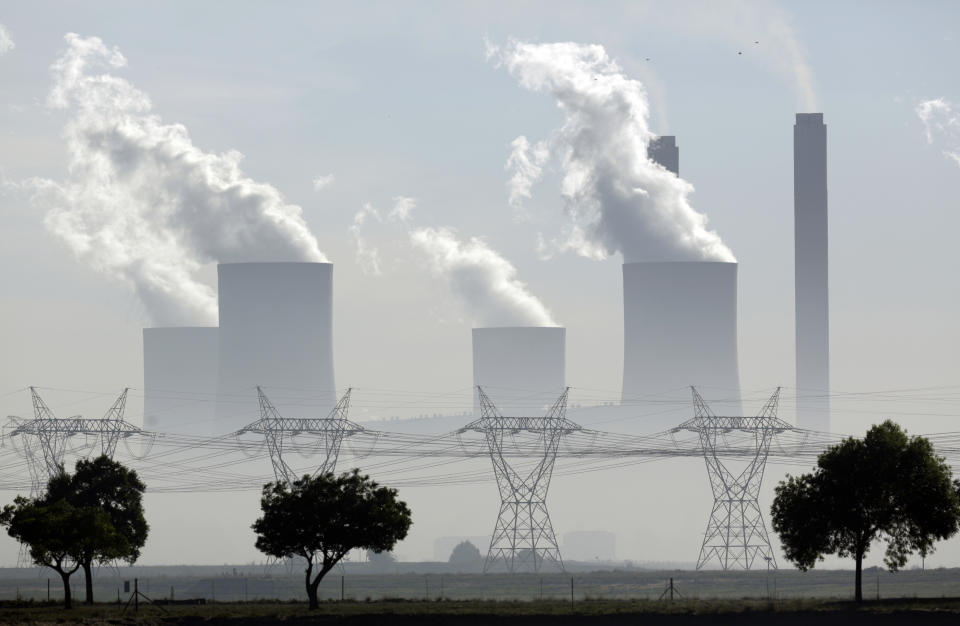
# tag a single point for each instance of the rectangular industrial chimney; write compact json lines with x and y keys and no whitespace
{"x":276,"y":331}
{"x":521,"y":368}
{"x":664,"y":150}
{"x":811,"y":271}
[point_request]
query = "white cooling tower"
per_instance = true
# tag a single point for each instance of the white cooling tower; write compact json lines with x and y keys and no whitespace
{"x":180,"y":379}
{"x":521,"y":368}
{"x":680,"y":329}
{"x":276,"y":331}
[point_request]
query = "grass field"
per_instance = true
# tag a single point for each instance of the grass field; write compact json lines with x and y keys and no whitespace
{"x":248,"y":583}
{"x":255,"y":594}
{"x":824,"y":613}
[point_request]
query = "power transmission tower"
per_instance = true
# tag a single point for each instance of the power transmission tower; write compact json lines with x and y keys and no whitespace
{"x":44,"y":438}
{"x":523,"y":536}
{"x":736,"y":534}
{"x":279,"y":432}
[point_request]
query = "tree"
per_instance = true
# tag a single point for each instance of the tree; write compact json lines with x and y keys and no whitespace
{"x":58,"y":534}
{"x":111,"y":487}
{"x":94,"y":515}
{"x":465,"y":553}
{"x":886,"y":487}
{"x":323,"y":517}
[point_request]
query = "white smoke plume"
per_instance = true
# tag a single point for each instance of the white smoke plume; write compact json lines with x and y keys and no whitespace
{"x":486,"y":282}
{"x":526,"y":163}
{"x":368,"y":256}
{"x":941,"y":122}
{"x":142,"y":203}
{"x":6,"y":42}
{"x":322,"y":182}
{"x":616,"y":198}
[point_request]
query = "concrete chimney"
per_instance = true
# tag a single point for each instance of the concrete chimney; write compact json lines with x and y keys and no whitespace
{"x":276,"y":331}
{"x":664,"y":151}
{"x":521,"y":368}
{"x":180,"y":379}
{"x":811,"y":271}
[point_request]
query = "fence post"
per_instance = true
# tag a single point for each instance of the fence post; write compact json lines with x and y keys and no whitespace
{"x":571,"y":592}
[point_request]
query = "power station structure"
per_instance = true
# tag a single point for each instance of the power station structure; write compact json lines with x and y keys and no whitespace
{"x":523,"y":536}
{"x":680,"y":327}
{"x":276,"y":331}
{"x":180,"y":365}
{"x":736,"y":534}
{"x":664,"y":151}
{"x":523,"y":366}
{"x":44,"y":438}
{"x":811,"y":256}
{"x":324,"y":436}
{"x":671,"y":338}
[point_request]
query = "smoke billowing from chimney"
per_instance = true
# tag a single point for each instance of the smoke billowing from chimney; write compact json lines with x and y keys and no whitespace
{"x":141,"y":202}
{"x":616,"y":198}
{"x":485,"y":281}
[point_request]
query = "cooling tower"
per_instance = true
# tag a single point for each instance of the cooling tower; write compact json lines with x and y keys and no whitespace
{"x":521,"y":368}
{"x":180,"y":379}
{"x":679,"y":329}
{"x":276,"y":331}
{"x":811,"y":271}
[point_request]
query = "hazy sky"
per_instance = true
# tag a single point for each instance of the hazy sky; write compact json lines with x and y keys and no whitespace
{"x":384,"y":120}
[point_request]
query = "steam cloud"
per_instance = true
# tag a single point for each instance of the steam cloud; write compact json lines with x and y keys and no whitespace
{"x":616,"y":198}
{"x":6,"y":43}
{"x":941,"y":120}
{"x":485,"y":281}
{"x":142,"y":203}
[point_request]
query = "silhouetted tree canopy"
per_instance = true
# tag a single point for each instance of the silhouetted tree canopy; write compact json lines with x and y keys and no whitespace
{"x":465,"y":553}
{"x":94,"y":515}
{"x":886,"y":487}
{"x":323,"y":517}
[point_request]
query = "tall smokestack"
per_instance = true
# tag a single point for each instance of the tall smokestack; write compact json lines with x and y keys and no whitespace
{"x":180,"y":379}
{"x":521,"y":368}
{"x":276,"y":330}
{"x":811,"y":271}
{"x":680,"y":329}
{"x":664,"y":151}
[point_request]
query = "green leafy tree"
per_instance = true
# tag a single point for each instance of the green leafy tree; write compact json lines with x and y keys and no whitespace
{"x":58,"y":534}
{"x":113,"y":488}
{"x":321,"y":518}
{"x":885,"y":487}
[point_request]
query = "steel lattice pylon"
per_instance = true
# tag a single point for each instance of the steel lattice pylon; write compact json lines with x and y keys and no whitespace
{"x":45,"y":436}
{"x":523,"y":536}
{"x":736,"y":534}
{"x":278,"y":432}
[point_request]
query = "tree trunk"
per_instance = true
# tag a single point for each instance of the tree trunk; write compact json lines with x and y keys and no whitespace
{"x":67,"y":598}
{"x":89,"y":581}
{"x":858,"y":594}
{"x":311,"y":587}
